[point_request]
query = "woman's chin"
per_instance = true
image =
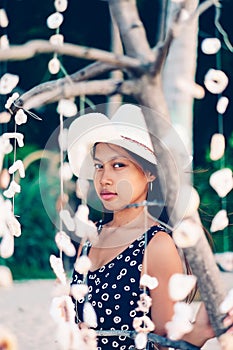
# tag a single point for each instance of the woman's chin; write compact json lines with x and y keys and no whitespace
{"x":115,"y":207}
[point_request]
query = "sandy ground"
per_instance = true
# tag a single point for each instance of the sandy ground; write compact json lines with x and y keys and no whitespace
{"x":24,"y":309}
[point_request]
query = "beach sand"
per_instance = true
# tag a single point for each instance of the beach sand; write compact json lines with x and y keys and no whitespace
{"x":24,"y":309}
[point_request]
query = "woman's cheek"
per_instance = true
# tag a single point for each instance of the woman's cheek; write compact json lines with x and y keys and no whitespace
{"x":125,"y":191}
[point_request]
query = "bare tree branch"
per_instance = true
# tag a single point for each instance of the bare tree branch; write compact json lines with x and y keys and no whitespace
{"x":35,"y":47}
{"x":162,"y":48}
{"x":131,"y":30}
{"x":55,"y":91}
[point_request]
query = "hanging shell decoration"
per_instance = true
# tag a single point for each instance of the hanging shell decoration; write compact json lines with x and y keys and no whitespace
{"x":180,"y":323}
{"x":222,"y":104}
{"x":221,"y":181}
{"x":64,"y":243}
{"x":216,"y":81}
{"x":148,"y":281}
{"x":227,"y":303}
{"x":220,"y":221}
{"x":217,"y":146}
{"x":143,"y":324}
{"x":58,"y":268}
{"x":210,"y":46}
{"x":8,"y":82}
{"x":180,"y":286}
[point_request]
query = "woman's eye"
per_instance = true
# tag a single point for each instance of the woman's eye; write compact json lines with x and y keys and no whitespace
{"x":118,"y":165}
{"x":98,"y":166}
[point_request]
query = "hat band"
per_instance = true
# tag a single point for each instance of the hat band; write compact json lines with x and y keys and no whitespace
{"x":140,"y":144}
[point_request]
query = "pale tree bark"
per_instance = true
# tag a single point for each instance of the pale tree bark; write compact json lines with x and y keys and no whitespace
{"x":179,"y":76}
{"x":143,"y":66}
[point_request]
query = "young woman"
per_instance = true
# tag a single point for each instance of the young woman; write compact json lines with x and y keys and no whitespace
{"x":119,"y":157}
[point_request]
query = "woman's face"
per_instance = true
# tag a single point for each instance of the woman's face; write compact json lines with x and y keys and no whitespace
{"x":119,"y":180}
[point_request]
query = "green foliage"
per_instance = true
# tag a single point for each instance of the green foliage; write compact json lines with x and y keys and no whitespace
{"x":211,"y":203}
{"x":34,"y":246}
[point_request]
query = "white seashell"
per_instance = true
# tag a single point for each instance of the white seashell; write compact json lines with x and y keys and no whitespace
{"x":21,"y":117}
{"x":222,"y":181}
{"x":60,"y":5}
{"x":180,"y":323}
{"x":85,"y":228}
{"x":55,"y":20}
{"x":54,"y":65}
{"x":15,"y":135}
{"x":18,"y":165}
{"x":4,"y":179}
{"x":64,"y":243}
{"x":82,"y":264}
{"x":56,"y":39}
{"x":69,"y":336}
{"x":220,"y":221}
{"x":67,"y":108}
{"x":62,"y":309}
{"x":143,"y":324}
{"x":3,"y":18}
{"x":8,"y":82}
{"x":15,"y":187}
{"x":187,"y":233}
{"x":65,"y":172}
{"x":67,"y":219}
{"x":7,"y":246}
{"x":82,"y":188}
{"x":193,"y":202}
{"x":227,"y":303}
{"x":148,"y":281}
{"x":217,"y":146}
{"x":183,"y":309}
{"x":225,"y":260}
{"x":140,"y":341}
{"x":180,"y":286}
{"x":82,"y":213}
{"x":5,"y":145}
{"x":78,"y":291}
{"x":4,"y":42}
{"x":64,"y":335}
{"x":11,"y":100}
{"x":5,"y":117}
{"x":210,"y":46}
{"x":12,"y":189}
{"x":89,"y":315}
{"x":176,"y":329}
{"x":6,"y":279}
{"x":215,"y":81}
{"x":9,"y":193}
{"x":57,"y":266}
{"x":222,"y":104}
{"x":63,"y":139}
{"x":14,"y":226}
{"x":144,"y":303}
{"x":92,"y":233}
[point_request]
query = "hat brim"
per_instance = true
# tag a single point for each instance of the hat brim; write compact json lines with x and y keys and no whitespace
{"x":91,"y":128}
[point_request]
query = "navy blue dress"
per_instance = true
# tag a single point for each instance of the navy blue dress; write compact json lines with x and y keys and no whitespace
{"x":114,"y":291}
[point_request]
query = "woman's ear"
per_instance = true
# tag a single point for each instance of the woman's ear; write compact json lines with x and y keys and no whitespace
{"x":150,"y":177}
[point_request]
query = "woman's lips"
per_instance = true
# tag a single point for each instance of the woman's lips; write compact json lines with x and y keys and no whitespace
{"x":105,"y":195}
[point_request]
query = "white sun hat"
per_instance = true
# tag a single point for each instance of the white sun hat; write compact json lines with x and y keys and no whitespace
{"x":127,"y":128}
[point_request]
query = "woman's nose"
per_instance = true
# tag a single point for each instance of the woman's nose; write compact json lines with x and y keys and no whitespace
{"x":105,"y":177}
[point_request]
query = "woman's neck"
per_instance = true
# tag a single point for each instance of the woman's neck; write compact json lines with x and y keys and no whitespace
{"x":129,"y":216}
